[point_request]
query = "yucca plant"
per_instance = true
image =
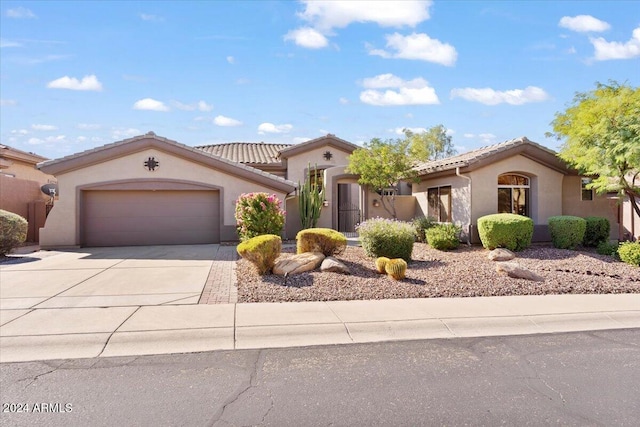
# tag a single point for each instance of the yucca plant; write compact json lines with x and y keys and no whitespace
{"x":310,"y":199}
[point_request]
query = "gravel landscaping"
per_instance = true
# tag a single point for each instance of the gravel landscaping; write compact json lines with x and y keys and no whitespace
{"x":465,"y":272}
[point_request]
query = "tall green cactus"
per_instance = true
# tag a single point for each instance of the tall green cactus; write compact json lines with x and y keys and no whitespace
{"x":310,"y":199}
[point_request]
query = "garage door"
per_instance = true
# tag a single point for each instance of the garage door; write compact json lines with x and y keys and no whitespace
{"x":133,"y":218}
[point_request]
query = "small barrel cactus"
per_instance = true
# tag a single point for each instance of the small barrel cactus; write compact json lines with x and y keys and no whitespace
{"x":380,"y":263}
{"x":396,"y":268}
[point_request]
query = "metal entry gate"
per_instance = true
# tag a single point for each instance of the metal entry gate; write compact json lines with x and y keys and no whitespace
{"x":348,"y":217}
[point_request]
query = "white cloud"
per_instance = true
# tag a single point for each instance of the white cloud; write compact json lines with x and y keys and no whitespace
{"x":307,"y":37}
{"x":418,"y":46}
{"x":19,"y":132}
{"x":583,"y":24}
{"x":343,"y":101}
{"x":88,"y":126}
{"x":8,"y":102}
{"x":151,"y":17}
{"x":81,"y":138}
{"x":271,"y":128}
{"x":150,"y":104}
{"x":300,"y":139}
{"x":20,"y":13}
{"x":326,"y":15}
{"x":87,"y":83}
{"x":200,"y":106}
{"x":605,"y":50}
{"x":44,"y":127}
{"x":121,"y":133}
{"x":9,"y":43}
{"x":231,"y":59}
{"x":485,"y":138}
{"x":490,"y":96}
{"x":412,"y":92}
{"x":47,"y":140}
{"x":203,"y":106}
{"x":226,"y":121}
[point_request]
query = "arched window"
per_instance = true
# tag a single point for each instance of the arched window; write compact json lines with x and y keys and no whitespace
{"x":513,"y":194}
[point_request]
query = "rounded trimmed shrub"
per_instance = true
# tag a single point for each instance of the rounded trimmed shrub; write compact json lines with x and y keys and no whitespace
{"x":597,"y":231}
{"x":505,"y":230}
{"x":607,"y":248}
{"x":387,"y":237}
{"x":258,"y":213}
{"x":629,"y":252}
{"x":261,"y":251}
{"x":443,"y":237}
{"x":421,"y":225}
{"x":325,"y":240}
{"x":567,"y":231}
{"x":13,"y":231}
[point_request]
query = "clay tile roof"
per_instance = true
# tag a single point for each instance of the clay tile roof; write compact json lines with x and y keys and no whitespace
{"x":475,"y":156}
{"x":246,"y":152}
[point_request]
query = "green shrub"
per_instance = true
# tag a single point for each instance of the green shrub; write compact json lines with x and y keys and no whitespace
{"x":505,"y":230}
{"x":261,"y":251}
{"x":325,"y":240}
{"x":258,"y":213}
{"x":387,"y":237}
{"x":597,"y":231}
{"x":607,"y":248}
{"x":629,"y":252}
{"x":567,"y":231}
{"x":421,"y":224}
{"x":443,"y":237}
{"x":13,"y":231}
{"x":396,"y":268}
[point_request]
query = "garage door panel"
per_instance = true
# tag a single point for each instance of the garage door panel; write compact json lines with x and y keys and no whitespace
{"x":118,"y":218}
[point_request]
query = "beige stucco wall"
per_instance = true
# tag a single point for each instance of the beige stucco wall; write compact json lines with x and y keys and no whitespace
{"x":61,"y":228}
{"x":405,"y":207}
{"x":545,"y":191}
{"x":572,"y":204}
{"x":460,"y":197}
{"x":298,"y":164}
{"x":25,"y":170}
{"x":630,"y":221}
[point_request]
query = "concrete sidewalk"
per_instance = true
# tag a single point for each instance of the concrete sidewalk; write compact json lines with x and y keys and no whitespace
{"x":79,"y":332}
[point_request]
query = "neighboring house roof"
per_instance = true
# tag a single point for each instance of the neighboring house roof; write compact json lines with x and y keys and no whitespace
{"x":329,"y":139}
{"x":483,"y":156}
{"x":257,"y":153}
{"x":8,"y":154}
{"x":151,"y":140}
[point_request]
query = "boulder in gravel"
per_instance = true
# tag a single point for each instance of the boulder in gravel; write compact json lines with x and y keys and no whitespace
{"x":501,"y":254}
{"x":516,"y":271}
{"x":299,"y":263}
{"x":332,"y":264}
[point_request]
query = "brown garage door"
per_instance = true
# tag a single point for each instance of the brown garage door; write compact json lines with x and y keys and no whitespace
{"x":133,"y":218}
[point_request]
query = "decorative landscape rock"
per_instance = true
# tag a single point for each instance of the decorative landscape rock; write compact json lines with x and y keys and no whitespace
{"x":300,"y":263}
{"x":501,"y":254}
{"x":516,"y":271}
{"x":333,"y":265}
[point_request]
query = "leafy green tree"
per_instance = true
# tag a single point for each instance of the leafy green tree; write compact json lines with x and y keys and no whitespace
{"x":601,"y":133}
{"x":432,"y":144}
{"x":381,"y":165}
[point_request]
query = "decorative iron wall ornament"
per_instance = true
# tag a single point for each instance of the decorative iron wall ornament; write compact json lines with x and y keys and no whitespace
{"x":327,"y":155}
{"x":151,"y":164}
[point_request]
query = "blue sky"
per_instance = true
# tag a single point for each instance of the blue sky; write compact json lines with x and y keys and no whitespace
{"x":76,"y":75}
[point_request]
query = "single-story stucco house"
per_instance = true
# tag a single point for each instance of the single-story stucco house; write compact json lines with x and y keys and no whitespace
{"x":151,"y":190}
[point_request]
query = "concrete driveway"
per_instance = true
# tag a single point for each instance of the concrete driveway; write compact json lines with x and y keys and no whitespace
{"x":107,"y":277}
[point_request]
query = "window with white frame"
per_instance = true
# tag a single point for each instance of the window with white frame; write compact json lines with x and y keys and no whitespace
{"x":587,"y":193}
{"x":439,"y":203}
{"x":513,"y":194}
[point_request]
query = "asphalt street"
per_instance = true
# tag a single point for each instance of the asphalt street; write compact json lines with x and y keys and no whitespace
{"x":581,"y":379}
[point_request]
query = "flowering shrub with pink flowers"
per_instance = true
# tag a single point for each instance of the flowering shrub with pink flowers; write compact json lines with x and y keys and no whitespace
{"x":258,"y":214}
